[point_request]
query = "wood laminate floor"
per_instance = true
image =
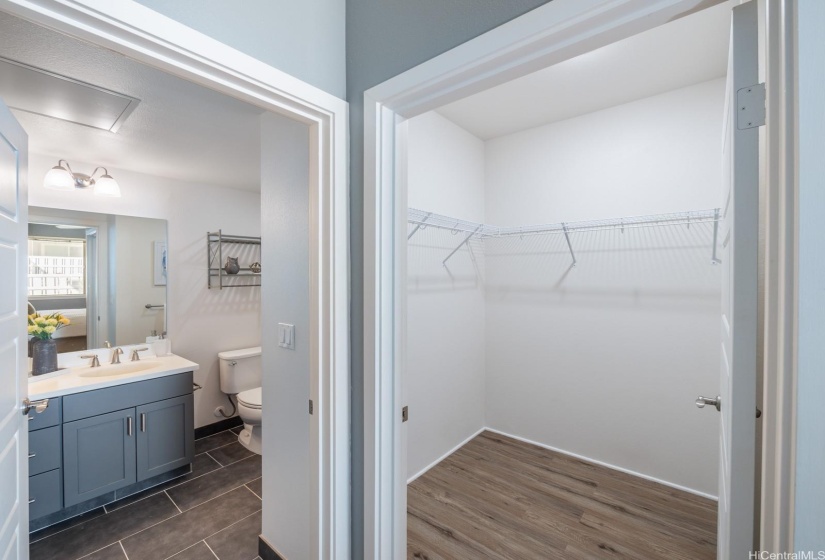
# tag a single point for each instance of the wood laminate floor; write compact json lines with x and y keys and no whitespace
{"x":498,"y":498}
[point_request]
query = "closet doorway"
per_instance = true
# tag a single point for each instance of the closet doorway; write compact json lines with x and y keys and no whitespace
{"x":568,"y":250}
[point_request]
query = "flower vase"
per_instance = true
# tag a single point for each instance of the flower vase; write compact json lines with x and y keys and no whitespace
{"x":44,"y":356}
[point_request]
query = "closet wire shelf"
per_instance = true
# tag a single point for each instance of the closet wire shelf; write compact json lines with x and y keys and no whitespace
{"x":216,"y":276}
{"x":421,"y":219}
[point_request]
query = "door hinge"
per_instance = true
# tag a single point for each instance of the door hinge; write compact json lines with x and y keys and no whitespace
{"x":405,"y":414}
{"x":311,"y":407}
{"x":750,"y":107}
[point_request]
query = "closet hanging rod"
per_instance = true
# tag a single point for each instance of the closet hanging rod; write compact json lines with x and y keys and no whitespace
{"x":422,"y":220}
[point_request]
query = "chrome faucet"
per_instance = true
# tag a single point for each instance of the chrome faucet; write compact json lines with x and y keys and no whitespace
{"x":116,"y":355}
{"x":93,"y":357}
{"x":135,"y":356}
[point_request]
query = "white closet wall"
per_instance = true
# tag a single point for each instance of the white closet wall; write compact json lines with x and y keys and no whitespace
{"x":605,"y":359}
{"x":445,"y":372}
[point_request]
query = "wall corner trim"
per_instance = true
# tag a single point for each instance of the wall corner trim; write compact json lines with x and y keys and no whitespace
{"x":266,"y":551}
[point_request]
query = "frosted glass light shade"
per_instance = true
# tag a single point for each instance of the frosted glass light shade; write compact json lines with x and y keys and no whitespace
{"x":59,"y":179}
{"x":106,"y":186}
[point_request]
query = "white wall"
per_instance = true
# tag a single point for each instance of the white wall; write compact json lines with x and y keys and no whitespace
{"x":305,"y":39}
{"x":605,"y":360}
{"x":201,"y":322}
{"x":133,"y":257}
{"x":444,"y":376}
{"x":285,"y":255}
{"x":809,"y":502}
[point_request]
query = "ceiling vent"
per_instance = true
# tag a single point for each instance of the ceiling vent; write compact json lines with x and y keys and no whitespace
{"x":41,"y":92}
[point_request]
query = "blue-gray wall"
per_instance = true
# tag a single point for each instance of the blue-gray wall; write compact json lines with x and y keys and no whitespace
{"x":304,"y":38}
{"x":809,"y":517}
{"x":384,"y":39}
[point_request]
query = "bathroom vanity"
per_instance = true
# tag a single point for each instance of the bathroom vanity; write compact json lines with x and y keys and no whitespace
{"x":107,"y":432}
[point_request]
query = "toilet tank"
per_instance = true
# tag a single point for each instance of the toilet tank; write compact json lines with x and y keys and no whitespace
{"x":240,"y":370}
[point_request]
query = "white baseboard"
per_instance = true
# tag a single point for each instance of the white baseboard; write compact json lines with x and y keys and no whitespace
{"x":600,"y":463}
{"x":447,"y":454}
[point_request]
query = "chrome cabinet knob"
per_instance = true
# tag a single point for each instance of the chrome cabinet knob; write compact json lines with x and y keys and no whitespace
{"x":702,"y":401}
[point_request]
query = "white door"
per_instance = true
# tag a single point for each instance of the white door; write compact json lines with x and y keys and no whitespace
{"x":14,"y":441}
{"x":738,"y":231}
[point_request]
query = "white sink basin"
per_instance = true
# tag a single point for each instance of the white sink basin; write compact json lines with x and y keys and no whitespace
{"x":117,"y":369}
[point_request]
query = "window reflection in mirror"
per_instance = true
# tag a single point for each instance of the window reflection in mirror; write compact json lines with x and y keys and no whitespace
{"x":57,"y":279}
{"x":99,"y":271}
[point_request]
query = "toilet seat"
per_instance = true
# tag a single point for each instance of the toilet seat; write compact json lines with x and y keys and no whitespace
{"x":250,"y":398}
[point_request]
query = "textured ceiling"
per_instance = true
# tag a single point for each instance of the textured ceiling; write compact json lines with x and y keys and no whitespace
{"x":179,"y":130}
{"x":683,"y":52}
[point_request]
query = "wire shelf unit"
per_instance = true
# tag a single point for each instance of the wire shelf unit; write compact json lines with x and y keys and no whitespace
{"x":421,"y":219}
{"x":216,"y":276}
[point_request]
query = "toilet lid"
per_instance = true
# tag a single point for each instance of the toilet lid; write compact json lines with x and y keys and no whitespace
{"x":250,"y":398}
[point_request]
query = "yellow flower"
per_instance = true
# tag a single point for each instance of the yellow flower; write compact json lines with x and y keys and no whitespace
{"x":64,"y":320}
{"x":51,"y":321}
{"x":40,"y":321}
{"x":32,"y":329}
{"x":50,"y":329}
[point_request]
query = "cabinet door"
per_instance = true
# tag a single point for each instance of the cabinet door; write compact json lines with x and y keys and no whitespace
{"x":98,"y":455}
{"x":165,"y":437}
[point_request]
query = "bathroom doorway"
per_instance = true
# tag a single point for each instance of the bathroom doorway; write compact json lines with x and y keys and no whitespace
{"x":324,"y":204}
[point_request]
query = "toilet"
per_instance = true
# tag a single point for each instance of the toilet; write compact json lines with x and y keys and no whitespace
{"x":241,"y":375}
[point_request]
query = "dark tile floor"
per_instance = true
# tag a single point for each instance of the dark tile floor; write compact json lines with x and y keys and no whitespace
{"x":213,"y":512}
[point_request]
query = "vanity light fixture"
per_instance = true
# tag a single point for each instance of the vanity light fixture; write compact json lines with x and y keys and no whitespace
{"x":62,"y":178}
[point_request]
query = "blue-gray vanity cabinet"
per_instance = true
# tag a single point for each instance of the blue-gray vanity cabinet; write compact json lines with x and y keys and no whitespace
{"x":44,"y":450}
{"x":45,"y":496}
{"x":166,"y":436}
{"x":95,"y":447}
{"x":98,"y":455}
{"x":45,"y":476}
{"x":49,"y":417}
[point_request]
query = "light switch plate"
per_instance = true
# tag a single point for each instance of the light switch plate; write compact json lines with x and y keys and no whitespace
{"x":286,"y":336}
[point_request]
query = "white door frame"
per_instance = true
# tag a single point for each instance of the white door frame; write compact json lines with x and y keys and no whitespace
{"x":155,"y":40}
{"x":547,"y":35}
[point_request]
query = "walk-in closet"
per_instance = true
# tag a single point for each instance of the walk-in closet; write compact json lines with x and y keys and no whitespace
{"x":563,"y":301}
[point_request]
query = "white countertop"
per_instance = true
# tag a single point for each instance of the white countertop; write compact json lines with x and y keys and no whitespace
{"x":73,"y":379}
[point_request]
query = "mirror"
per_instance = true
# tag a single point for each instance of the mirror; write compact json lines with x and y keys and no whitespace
{"x":106,"y":273}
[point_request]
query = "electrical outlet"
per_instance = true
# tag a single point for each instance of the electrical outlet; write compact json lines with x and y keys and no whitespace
{"x":219,"y":412}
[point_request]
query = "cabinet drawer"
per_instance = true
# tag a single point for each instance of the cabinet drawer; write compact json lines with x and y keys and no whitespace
{"x":44,"y":494}
{"x":49,"y":417}
{"x":44,"y":450}
{"x":128,"y":395}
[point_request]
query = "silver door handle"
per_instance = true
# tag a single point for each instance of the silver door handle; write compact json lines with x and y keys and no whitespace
{"x":32,"y":500}
{"x":128,"y":425}
{"x":32,"y":455}
{"x":142,"y":421}
{"x":702,"y":401}
{"x":38,"y":406}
